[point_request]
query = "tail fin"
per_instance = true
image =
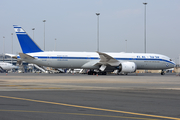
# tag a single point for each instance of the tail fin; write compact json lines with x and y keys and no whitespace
{"x":27,"y":44}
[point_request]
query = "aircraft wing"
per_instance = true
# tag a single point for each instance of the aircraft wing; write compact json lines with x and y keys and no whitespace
{"x":106,"y":59}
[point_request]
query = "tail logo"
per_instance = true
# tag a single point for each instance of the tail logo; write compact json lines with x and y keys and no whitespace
{"x":19,"y":30}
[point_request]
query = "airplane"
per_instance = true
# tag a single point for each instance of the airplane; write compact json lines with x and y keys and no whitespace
{"x":7,"y":66}
{"x":96,"y":62}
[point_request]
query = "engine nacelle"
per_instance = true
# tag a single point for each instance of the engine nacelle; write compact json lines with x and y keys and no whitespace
{"x":127,"y":67}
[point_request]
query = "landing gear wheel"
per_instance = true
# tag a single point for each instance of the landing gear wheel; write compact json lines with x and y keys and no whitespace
{"x":91,"y":73}
{"x":102,"y":73}
{"x":162,"y":73}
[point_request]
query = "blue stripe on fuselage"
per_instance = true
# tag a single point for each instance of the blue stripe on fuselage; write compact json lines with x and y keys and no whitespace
{"x":96,"y":58}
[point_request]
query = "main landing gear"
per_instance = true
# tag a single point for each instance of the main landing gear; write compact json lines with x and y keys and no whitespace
{"x":162,"y":72}
{"x":95,"y":73}
{"x":91,"y":72}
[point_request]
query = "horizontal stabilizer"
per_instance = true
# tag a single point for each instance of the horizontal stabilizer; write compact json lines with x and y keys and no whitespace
{"x":25,"y":56}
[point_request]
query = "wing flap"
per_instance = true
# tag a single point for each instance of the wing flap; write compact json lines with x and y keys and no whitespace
{"x":91,"y":64}
{"x":106,"y":59}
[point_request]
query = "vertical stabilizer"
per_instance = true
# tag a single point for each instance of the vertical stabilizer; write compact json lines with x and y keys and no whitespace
{"x":27,"y":44}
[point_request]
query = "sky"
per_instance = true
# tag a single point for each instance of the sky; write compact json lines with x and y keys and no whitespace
{"x":73,"y":23}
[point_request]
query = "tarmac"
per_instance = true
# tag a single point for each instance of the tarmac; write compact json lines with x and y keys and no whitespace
{"x":79,"y":96}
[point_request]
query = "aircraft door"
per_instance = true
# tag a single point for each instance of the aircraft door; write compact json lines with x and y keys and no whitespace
{"x":49,"y":59}
{"x":88,"y":57}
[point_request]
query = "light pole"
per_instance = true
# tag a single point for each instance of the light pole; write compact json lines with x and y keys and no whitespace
{"x":12,"y":46}
{"x":145,"y":27}
{"x":126,"y":45}
{"x":44,"y":33}
{"x":3,"y":47}
{"x":55,"y":45}
{"x":98,"y":31}
{"x":33,"y":32}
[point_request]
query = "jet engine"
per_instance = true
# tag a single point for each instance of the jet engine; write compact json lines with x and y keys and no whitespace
{"x":127,"y":67}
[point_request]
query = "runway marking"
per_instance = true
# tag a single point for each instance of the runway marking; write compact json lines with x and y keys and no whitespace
{"x":82,"y":114}
{"x":92,"y":108}
{"x":41,"y":88}
{"x":38,"y":88}
{"x":11,"y":85}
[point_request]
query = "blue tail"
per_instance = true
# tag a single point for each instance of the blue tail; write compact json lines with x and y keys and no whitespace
{"x":27,"y":44}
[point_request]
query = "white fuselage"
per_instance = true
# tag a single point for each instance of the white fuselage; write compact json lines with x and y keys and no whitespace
{"x":88,"y":60}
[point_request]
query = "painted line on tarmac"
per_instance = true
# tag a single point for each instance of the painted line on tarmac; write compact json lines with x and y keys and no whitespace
{"x":54,"y":88}
{"x":92,"y":108}
{"x":82,"y":114}
{"x":38,"y":88}
{"x":11,"y":85}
